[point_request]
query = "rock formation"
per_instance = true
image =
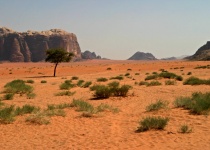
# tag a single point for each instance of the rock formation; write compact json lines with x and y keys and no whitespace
{"x":31,"y":45}
{"x":203,"y":53}
{"x":169,"y":58}
{"x":142,"y":56}
{"x":89,"y":55}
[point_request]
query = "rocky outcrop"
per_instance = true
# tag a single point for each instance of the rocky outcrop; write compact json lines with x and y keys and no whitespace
{"x":31,"y":45}
{"x":203,"y":53}
{"x":142,"y":56}
{"x":90,"y":55}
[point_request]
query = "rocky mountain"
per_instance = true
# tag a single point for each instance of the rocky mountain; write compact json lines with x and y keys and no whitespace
{"x":203,"y":53}
{"x":31,"y":45}
{"x":89,"y":55}
{"x":169,"y":58}
{"x":142,"y":56}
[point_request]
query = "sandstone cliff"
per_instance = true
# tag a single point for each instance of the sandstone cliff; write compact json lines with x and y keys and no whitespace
{"x":142,"y":56}
{"x":89,"y":55}
{"x":203,"y":53}
{"x":31,"y":45}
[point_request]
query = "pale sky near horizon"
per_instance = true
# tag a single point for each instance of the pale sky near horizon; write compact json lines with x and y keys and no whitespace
{"x":116,"y":29}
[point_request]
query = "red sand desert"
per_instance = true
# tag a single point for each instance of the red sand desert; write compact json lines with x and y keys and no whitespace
{"x":107,"y":130}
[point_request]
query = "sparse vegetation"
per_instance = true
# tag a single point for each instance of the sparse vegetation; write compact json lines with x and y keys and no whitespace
{"x":65,"y":93}
{"x":8,"y":96}
{"x":38,"y":118}
{"x":167,"y":75}
{"x":203,"y":67}
{"x":31,"y":95}
{"x":109,"y":68}
{"x":117,"y":78}
{"x":26,"y":109}
{"x":154,"y":83}
{"x":74,"y":78}
{"x":198,"y":103}
{"x":80,"y":82}
{"x":151,"y":77}
{"x":170,"y":82}
{"x":137,"y":74}
{"x":102,"y":92}
{"x":149,"y":123}
{"x":189,"y":73}
{"x":66,"y":85}
{"x":7,"y":115}
{"x":87,"y":84}
{"x":43,"y":81}
{"x":185,"y":129}
{"x":102,"y":79}
{"x":196,"y":81}
{"x":30,"y":81}
{"x":143,"y":83}
{"x":127,"y":74}
{"x":160,"y":104}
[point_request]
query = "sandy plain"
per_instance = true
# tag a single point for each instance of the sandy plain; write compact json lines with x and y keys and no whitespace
{"x":107,"y":131}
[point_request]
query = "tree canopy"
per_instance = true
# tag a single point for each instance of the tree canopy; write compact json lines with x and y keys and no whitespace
{"x":57,"y":56}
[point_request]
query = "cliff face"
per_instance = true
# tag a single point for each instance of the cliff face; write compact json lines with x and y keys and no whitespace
{"x":90,"y":55}
{"x":30,"y":46}
{"x":142,"y":56}
{"x":203,"y":53}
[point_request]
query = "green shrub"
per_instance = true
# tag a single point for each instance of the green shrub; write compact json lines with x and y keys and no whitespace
{"x":7,"y":115}
{"x":80,"y":82}
{"x":82,"y":106}
{"x":102,"y":92}
{"x":185,"y":129}
{"x":65,"y":93}
{"x":58,"y":106}
{"x":127,"y":74}
{"x":94,"y":87}
{"x":154,"y":73}
{"x":17,"y":86}
{"x":87,"y":84}
{"x":151,"y":77}
{"x":38,"y":118}
{"x":66,"y":85}
{"x":129,"y":69}
{"x":8,"y":96}
{"x":137,"y":74}
{"x":114,"y":84}
{"x":198,"y":103}
{"x":157,"y":105}
{"x":43,"y":81}
{"x":149,"y":123}
{"x":31,"y":95}
{"x":143,"y":83}
{"x":55,"y":112}
{"x":121,"y":91}
{"x":26,"y":109}
{"x":102,"y":79}
{"x":196,"y":81}
{"x":117,"y":78}
{"x":202,"y":67}
{"x":179,"y":78}
{"x":154,"y":83}
{"x":189,"y":73}
{"x":105,"y":107}
{"x":74,"y":78}
{"x":30,"y":81}
{"x":170,"y":82}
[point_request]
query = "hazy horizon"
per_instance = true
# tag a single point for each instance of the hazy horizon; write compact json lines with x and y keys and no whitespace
{"x":117,"y":29}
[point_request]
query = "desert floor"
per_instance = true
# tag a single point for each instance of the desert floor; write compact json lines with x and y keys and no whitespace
{"x":106,"y":130}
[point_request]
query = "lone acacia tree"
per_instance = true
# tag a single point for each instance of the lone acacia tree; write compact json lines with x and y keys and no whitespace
{"x":57,"y":56}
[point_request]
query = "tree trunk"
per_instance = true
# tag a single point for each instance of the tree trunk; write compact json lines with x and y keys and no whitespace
{"x":55,"y":69}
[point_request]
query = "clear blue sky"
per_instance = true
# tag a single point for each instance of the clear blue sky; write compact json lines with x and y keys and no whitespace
{"x":116,"y":29}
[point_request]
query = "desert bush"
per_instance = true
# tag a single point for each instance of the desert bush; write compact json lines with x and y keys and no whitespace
{"x":143,"y":83}
{"x":154,"y":73}
{"x":121,"y":91}
{"x":30,"y":81}
{"x":43,"y":81}
{"x":114,"y":84}
{"x":160,"y":104}
{"x":185,"y":129}
{"x":31,"y":95}
{"x":80,"y":82}
{"x":137,"y":74}
{"x":127,"y":74}
{"x":105,"y":107}
{"x":66,"y":85}
{"x":26,"y":109}
{"x":87,"y":84}
{"x":55,"y":112}
{"x":94,"y":87}
{"x":8,"y":96}
{"x":154,"y":83}
{"x":196,"y":81}
{"x":168,"y":75}
{"x":129,"y":69}
{"x":38,"y":118}
{"x":202,"y":67}
{"x":151,"y":77}
{"x":198,"y":103}
{"x":148,"y":123}
{"x":102,"y":92}
{"x":189,"y":73}
{"x":82,"y":106}
{"x":109,"y":68}
{"x":74,"y":78}
{"x":117,"y":78}
{"x":65,"y":93}
{"x":59,"y":106}
{"x":7,"y":115}
{"x":17,"y":86}
{"x":170,"y":82}
{"x":102,"y":79}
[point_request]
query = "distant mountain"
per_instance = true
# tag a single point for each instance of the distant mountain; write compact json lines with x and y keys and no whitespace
{"x":142,"y":56}
{"x":169,"y":58}
{"x":203,"y":53}
{"x":89,"y":55}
